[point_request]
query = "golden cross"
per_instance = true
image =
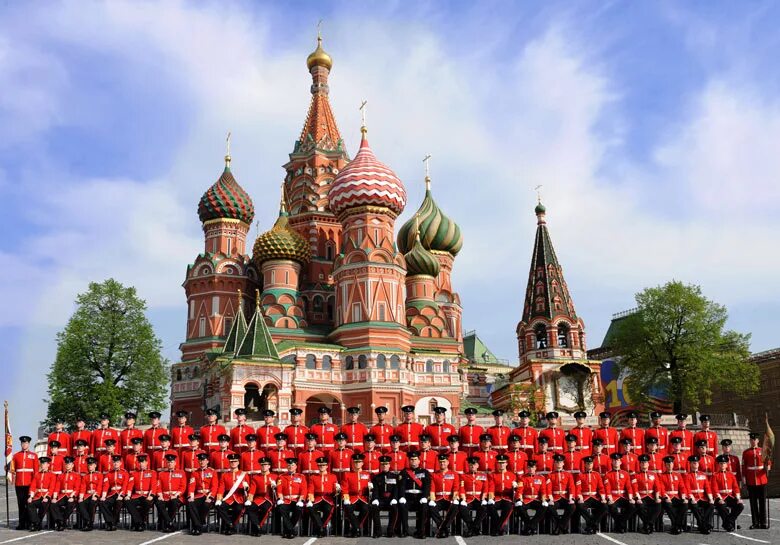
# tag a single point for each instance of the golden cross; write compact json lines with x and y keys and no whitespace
{"x":426,"y":162}
{"x":363,"y":112}
{"x":319,"y":34}
{"x":227,"y":140}
{"x":538,"y":193}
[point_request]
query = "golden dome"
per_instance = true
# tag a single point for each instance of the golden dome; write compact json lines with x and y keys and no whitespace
{"x":319,"y":57}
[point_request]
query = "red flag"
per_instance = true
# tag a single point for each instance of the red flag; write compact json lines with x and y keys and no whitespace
{"x":9,"y":439}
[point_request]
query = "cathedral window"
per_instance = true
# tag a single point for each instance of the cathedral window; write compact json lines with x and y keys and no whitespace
{"x":195,"y":372}
{"x":229,"y":241}
{"x":541,"y":336}
{"x":202,"y":327}
{"x":357,"y":314}
{"x":349,"y":363}
{"x":362,"y":362}
{"x":432,"y":404}
{"x":273,"y":277}
{"x":318,"y":301}
{"x":563,"y":335}
{"x":395,"y":362}
{"x":286,"y":277}
{"x":192,"y":309}
{"x":329,"y":251}
{"x":215,"y":305}
{"x":382,"y":312}
{"x":228,"y":326}
{"x":381,"y":361}
{"x":327,"y":363}
{"x":329,"y":307}
{"x":446,"y":366}
{"x":178,"y":374}
{"x":311,"y":361}
{"x":429,"y":366}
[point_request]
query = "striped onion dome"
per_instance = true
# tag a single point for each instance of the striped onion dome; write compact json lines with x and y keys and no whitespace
{"x":366,"y":181}
{"x":226,"y":199}
{"x":437,"y":231}
{"x":421,"y":261}
{"x":281,"y":242}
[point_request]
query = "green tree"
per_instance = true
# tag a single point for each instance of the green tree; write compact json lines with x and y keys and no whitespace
{"x":108,"y":358}
{"x":676,"y":342}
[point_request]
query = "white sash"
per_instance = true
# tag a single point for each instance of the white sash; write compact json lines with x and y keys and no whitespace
{"x":235,"y":485}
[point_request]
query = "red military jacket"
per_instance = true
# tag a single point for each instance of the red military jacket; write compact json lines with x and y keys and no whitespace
{"x":724,"y":484}
{"x":637,"y":436}
{"x":340,"y":460}
{"x":44,"y":485}
{"x":188,"y":460}
{"x":444,"y":485}
{"x":753,"y":467}
{"x":487,"y":460}
{"x":250,"y":461}
{"x":601,"y":463}
{"x":428,"y":460}
{"x":544,"y":462}
{"x":238,"y":435}
{"x":57,"y":465}
{"x":501,"y":485}
{"x":68,"y":485}
{"x":86,"y":435}
{"x":142,"y":484}
{"x":534,"y":488}
{"x":354,"y":485}
{"x":326,"y":434}
{"x":278,"y":458}
{"x":617,"y":484}
{"x":517,"y":461}
{"x":323,"y":487}
{"x":158,"y":459}
{"x":371,"y":461}
{"x":556,"y":439}
{"x":24,"y":466}
{"x":500,"y":437}
{"x":382,"y":433}
{"x":712,"y":440}
{"x":105,"y":464}
{"x":660,"y":433}
{"x":355,"y":432}
{"x":609,"y":438}
{"x":152,"y":439}
{"x":126,"y":436}
{"x":474,"y":486}
{"x":656,"y":462}
{"x":630,"y":462}
{"x":130,"y":462}
{"x":439,"y":434}
{"x":209,"y":435}
{"x":469,"y":437}
{"x":91,"y":484}
{"x":307,"y":461}
{"x":180,"y":437}
{"x":687,"y":441}
{"x":115,"y":482}
{"x":528,"y":437}
{"x":398,"y":460}
{"x":561,"y":485}
{"x":410,"y":435}
{"x":226,"y":482}
{"x":584,"y":437}
{"x":99,"y":437}
{"x":590,"y":485}
{"x":647,"y":483}
{"x":261,"y":487}
{"x":64,"y":439}
{"x":573,"y":462}
{"x":698,"y":486}
{"x":219,"y":460}
{"x":707,"y":465}
{"x":296,"y":437}
{"x":266,"y":437}
{"x":457,"y":461}
{"x":203,"y":482}
{"x":292,"y":487}
{"x":736,"y":467}
{"x":672,"y":484}
{"x":171,"y":483}
{"x":680,"y":464}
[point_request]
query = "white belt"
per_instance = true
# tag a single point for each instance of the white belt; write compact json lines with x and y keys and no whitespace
{"x":68,"y":491}
{"x":471,"y":445}
{"x":413,"y":491}
{"x":525,"y":445}
{"x":724,"y":490}
{"x":116,"y":487}
{"x":355,"y":444}
{"x":443,"y":493}
{"x":241,"y":445}
{"x":23,"y":470}
{"x":410,"y":443}
{"x":755,"y":467}
{"x":672,"y":491}
{"x":559,"y":491}
{"x":331,"y":445}
{"x":588,"y":492}
{"x":210,"y":444}
{"x":296,"y":445}
{"x":645,"y":491}
{"x":204,"y":491}
{"x":340,"y":470}
{"x":310,"y":471}
{"x":698,"y":491}
{"x":181,"y":445}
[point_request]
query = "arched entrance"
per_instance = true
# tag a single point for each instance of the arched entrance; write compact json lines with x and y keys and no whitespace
{"x":256,"y":400}
{"x":314,"y":403}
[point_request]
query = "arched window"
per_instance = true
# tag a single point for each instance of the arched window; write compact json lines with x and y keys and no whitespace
{"x":195,"y":372}
{"x":395,"y":362}
{"x":311,"y":361}
{"x":446,"y":366}
{"x":327,"y":363}
{"x":429,"y":366}
{"x":381,"y":361}
{"x":329,"y":307}
{"x":362,"y":362}
{"x":318,"y":303}
{"x":329,"y":250}
{"x":563,"y":335}
{"x":178,"y":374}
{"x":541,"y":336}
{"x":432,"y":404}
{"x":349,"y":363}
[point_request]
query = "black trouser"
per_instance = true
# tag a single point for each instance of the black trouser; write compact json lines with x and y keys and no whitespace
{"x":376,"y":521}
{"x":676,"y":511}
{"x":356,"y":514}
{"x":290,"y":514}
{"x":320,"y":514}
{"x":474,"y":524}
{"x":532,"y":523}
{"x":257,"y":515}
{"x":413,"y":503}
{"x":561,"y":521}
{"x":22,"y":493}
{"x":648,"y":510}
{"x":729,"y":510}
{"x":62,"y":510}
{"x":87,"y":508}
{"x":229,"y":514}
{"x":702,"y":511}
{"x":167,"y":510}
{"x":500,"y":514}
{"x":621,"y":511}
{"x":758,"y":505}
{"x":592,"y":518}
{"x":198,"y":511}
{"x":37,"y":510}
{"x":139,"y":511}
{"x":109,"y":507}
{"x":443,"y":523}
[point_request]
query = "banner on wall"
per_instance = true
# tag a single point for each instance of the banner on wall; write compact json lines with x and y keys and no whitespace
{"x":617,"y":399}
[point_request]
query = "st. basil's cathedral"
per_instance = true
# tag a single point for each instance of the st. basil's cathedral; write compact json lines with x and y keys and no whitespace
{"x":333,"y":309}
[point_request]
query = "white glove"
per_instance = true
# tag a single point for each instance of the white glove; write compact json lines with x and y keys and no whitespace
{"x":402,"y":500}
{"x":370,"y":486}
{"x":518,"y":503}
{"x":393,"y":501}
{"x":544,"y":504}
{"x":309,"y":503}
{"x":273,"y":484}
{"x":423,"y":500}
{"x":491,"y":502}
{"x":346,"y":502}
{"x":247,"y":503}
{"x":484,"y":502}
{"x":375,"y":502}
{"x":431,"y":503}
{"x":299,"y":503}
{"x":338,"y":487}
{"x":514,"y":484}
{"x":245,"y":484}
{"x":464,"y":503}
{"x":218,"y":503}
{"x":279,"y":502}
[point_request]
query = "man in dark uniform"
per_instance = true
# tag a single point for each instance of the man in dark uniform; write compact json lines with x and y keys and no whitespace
{"x":416,"y":489}
{"x":384,"y":496}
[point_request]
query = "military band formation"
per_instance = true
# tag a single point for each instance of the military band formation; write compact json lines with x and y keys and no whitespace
{"x":493,"y":480}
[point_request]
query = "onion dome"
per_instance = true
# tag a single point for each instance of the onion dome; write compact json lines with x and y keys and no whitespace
{"x":318,"y":57}
{"x":366,"y":181}
{"x":540,"y":209}
{"x":437,"y":231}
{"x":281,"y":242}
{"x":226,"y":199}
{"x":421,"y":261}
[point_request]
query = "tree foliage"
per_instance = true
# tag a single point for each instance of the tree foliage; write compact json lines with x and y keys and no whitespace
{"x":676,"y":342}
{"x":108,"y":358}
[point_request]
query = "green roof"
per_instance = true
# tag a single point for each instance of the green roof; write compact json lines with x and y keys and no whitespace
{"x":258,"y":344}
{"x":477,"y":351}
{"x":237,"y":331}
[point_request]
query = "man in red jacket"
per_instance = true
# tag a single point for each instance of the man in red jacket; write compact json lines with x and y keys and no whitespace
{"x":59,"y":434}
{"x":674,"y":495}
{"x":685,"y":435}
{"x":180,"y":434}
{"x":735,"y":466}
{"x":102,"y":434}
{"x":323,"y":487}
{"x":238,"y":434}
{"x":633,"y":432}
{"x":756,"y":471}
{"x":583,"y":434}
{"x":728,"y":499}
{"x":647,"y":490}
{"x":699,"y":495}
{"x":356,"y":486}
{"x":528,"y":434}
{"x":114,"y":486}
{"x":262,"y":489}
{"x":152,"y":435}
{"x":81,"y":433}
{"x":90,"y":493}
{"x":591,"y":496}
{"x":209,"y":434}
{"x":706,"y":434}
{"x":325,"y":430}
{"x":66,"y":495}
{"x":231,"y":495}
{"x":42,"y":489}
{"x":563,"y":492}
{"x":620,"y":494}
{"x":658,"y":431}
{"x":533,"y":495}
{"x":470,"y":432}
{"x":607,"y":434}
{"x":266,"y":433}
{"x":291,"y":491}
{"x":439,"y":430}
{"x":296,"y":432}
{"x":381,"y":430}
{"x":499,"y":432}
{"x":141,"y":492}
{"x":171,"y":490}
{"x":501,"y":500}
{"x":129,"y":433}
{"x":474,"y":492}
{"x":409,"y":431}
{"x":555,"y":436}
{"x":445,"y":485}
{"x":201,"y":491}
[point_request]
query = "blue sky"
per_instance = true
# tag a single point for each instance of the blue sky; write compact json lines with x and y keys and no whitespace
{"x":654,"y":128}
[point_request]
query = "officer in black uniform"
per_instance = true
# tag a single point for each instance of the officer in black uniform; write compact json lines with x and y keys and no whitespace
{"x":415,"y":489}
{"x":385,"y":494}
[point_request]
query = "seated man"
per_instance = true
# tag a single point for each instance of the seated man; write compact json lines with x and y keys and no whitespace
{"x":201,"y":492}
{"x":262,"y":489}
{"x":416,"y":488}
{"x":89,"y":494}
{"x":291,"y":491}
{"x":171,"y":487}
{"x":474,"y":492}
{"x":356,"y":487}
{"x":323,"y":488}
{"x":728,"y":499}
{"x":41,"y":492}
